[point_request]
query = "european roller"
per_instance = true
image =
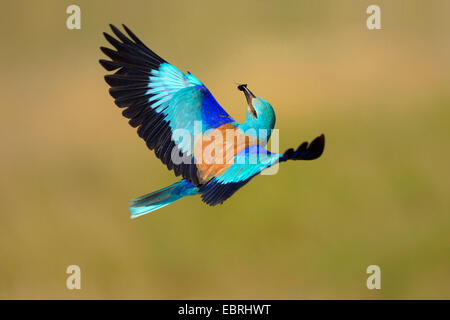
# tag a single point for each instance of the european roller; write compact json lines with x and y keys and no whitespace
{"x":180,"y":120}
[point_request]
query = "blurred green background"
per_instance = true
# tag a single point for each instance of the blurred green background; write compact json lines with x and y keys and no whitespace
{"x":379,"y":195}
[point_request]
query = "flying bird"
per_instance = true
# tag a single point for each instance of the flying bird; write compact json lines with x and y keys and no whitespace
{"x":178,"y":117}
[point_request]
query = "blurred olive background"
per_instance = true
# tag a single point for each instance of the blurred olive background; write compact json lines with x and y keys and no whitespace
{"x":379,"y":195}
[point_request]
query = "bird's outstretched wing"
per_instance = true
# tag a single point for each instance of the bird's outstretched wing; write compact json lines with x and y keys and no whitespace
{"x":159,"y":99}
{"x":249,"y":163}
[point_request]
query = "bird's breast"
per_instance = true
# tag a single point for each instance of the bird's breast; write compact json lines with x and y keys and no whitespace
{"x":214,"y":151}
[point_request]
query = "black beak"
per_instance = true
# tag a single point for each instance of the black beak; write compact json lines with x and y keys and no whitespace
{"x":249,"y":96}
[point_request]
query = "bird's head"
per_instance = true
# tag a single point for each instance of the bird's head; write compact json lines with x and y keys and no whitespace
{"x":260,"y":114}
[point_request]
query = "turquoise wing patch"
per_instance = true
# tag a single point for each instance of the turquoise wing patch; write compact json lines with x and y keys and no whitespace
{"x":247,"y":164}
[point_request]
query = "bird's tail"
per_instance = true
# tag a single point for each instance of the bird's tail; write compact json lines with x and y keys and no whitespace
{"x":161,"y":198}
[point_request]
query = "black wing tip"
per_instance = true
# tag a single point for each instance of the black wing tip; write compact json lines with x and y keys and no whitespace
{"x":127,"y":30}
{"x":320,"y":140}
{"x":105,"y":50}
{"x":108,"y":65}
{"x":117,"y":31}
{"x":113,"y":27}
{"x":318,"y":145}
{"x":306,"y":152}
